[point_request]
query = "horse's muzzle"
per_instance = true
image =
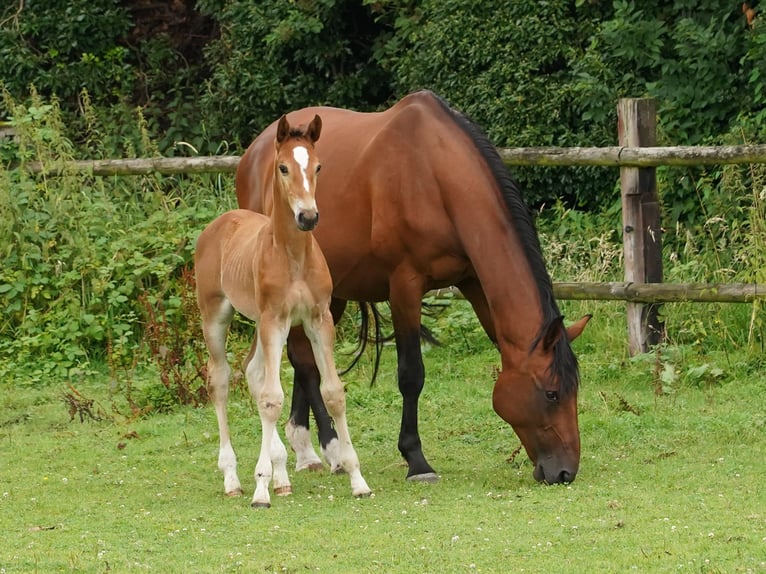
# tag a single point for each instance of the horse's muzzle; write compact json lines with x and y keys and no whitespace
{"x":307,"y":219}
{"x":551,"y":476}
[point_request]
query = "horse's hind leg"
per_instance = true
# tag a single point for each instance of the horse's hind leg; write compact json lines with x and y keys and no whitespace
{"x":306,"y":394}
{"x":214,"y":328}
{"x":322,"y":336}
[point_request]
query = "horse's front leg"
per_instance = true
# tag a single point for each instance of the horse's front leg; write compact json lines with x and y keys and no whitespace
{"x":321,"y":333}
{"x":405,"y":301}
{"x":263,"y":380}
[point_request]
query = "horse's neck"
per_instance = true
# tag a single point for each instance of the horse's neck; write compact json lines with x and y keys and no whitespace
{"x":287,"y":236}
{"x":499,"y":260}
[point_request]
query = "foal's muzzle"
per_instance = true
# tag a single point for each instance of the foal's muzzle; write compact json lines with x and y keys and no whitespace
{"x":307,"y":219}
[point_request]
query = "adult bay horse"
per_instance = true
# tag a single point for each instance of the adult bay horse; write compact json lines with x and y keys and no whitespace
{"x":416,"y":198}
{"x":272,"y":270}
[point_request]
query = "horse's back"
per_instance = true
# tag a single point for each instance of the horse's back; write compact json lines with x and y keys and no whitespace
{"x":379,"y":193}
{"x":224,"y":259}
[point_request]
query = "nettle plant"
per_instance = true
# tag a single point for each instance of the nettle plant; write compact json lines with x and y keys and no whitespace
{"x":80,"y":253}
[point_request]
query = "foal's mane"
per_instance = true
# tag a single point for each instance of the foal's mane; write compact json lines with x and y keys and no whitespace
{"x":564,"y":363}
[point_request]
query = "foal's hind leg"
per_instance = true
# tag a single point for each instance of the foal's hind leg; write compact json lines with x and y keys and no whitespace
{"x":214,"y":328}
{"x":322,"y":336}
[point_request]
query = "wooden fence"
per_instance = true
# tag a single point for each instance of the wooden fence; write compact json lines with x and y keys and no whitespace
{"x":637,"y":157}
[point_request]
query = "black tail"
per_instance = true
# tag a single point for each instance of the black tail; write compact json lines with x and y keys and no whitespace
{"x":367,"y":310}
{"x":370,"y":310}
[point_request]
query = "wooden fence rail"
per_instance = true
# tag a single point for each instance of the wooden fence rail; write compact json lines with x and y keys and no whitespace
{"x":617,"y":156}
{"x":636,"y":157}
{"x":648,"y":293}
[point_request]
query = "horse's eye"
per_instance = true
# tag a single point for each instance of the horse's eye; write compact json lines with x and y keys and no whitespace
{"x":552,"y":396}
{"x":319,"y":168}
{"x":283,"y":169}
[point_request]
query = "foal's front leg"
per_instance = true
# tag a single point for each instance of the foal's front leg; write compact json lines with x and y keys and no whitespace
{"x":263,"y":379}
{"x":321,"y":333}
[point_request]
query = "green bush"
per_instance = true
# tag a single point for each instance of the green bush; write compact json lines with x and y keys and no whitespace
{"x":275,"y":56}
{"x":79,"y":251}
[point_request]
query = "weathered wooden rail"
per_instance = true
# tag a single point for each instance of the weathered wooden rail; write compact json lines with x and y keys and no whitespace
{"x":535,"y":156}
{"x":636,"y":157}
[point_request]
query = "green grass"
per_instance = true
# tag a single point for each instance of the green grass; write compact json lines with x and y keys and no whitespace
{"x":667,"y":483}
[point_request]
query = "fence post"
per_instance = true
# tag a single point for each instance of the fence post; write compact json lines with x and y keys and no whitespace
{"x":642,"y":239}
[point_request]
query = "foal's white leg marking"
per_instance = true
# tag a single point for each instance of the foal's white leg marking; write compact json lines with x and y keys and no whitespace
{"x":300,"y":441}
{"x":321,"y":333}
{"x":278,"y":453}
{"x":263,"y":380}
{"x":214,"y":331}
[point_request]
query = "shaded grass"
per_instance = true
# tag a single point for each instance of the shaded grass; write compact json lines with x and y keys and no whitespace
{"x":667,"y":483}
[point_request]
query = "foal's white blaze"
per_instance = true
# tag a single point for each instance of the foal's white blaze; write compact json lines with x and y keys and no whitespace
{"x":301,"y":155}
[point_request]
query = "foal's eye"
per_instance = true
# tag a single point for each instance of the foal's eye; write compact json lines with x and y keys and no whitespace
{"x":319,"y":168}
{"x":552,"y":396}
{"x":283,"y":169}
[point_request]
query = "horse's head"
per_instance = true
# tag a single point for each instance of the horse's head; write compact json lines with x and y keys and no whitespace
{"x":538,"y":398}
{"x":295,"y":170}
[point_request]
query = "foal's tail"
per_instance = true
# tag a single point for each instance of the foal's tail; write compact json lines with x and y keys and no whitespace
{"x":369,"y":311}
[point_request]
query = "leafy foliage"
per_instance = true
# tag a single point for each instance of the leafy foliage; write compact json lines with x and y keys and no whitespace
{"x":275,"y":56}
{"x":79,"y":251}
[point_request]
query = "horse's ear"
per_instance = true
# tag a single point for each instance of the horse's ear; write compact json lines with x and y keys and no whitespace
{"x":553,"y":333}
{"x":574,"y":330}
{"x":283,"y":129}
{"x":315,"y":128}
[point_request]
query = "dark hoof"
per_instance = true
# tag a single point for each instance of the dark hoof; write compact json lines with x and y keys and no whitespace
{"x":260,"y":504}
{"x":429,"y":477}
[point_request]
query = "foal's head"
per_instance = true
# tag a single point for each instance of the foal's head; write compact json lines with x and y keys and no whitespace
{"x":295,"y":170}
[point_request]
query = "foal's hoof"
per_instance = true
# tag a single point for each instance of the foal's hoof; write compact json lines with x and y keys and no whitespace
{"x":367,"y":494}
{"x":283,"y":490}
{"x":337,"y":470}
{"x":313,"y":467}
{"x":429,"y":477}
{"x":234,"y":493}
{"x":260,"y":504}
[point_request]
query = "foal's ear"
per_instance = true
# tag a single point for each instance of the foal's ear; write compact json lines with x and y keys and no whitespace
{"x":283,"y":129}
{"x":314,"y":129}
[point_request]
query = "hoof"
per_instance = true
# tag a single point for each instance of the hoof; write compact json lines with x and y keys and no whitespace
{"x":260,"y":504}
{"x":235,"y":492}
{"x":283,"y":490}
{"x":429,"y":477}
{"x":366,"y":494}
{"x":338,"y":470}
{"x":313,"y":467}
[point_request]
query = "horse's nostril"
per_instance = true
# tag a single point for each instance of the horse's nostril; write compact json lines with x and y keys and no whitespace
{"x":565,"y":476}
{"x":307,"y":220}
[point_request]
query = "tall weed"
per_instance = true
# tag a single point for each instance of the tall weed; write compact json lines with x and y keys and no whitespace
{"x":80,"y":251}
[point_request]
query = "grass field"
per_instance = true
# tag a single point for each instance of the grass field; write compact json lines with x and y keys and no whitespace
{"x":667,"y":482}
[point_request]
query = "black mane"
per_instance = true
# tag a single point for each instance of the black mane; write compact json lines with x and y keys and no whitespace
{"x":564,"y":363}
